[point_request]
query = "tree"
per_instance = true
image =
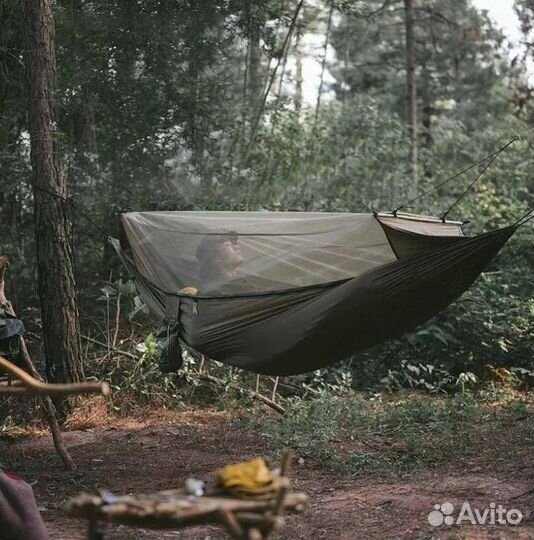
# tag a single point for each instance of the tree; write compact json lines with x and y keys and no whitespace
{"x":254,"y":26}
{"x":411,"y":90}
{"x":461,"y":66}
{"x":15,"y":196}
{"x":56,"y":286}
{"x":525,"y":89}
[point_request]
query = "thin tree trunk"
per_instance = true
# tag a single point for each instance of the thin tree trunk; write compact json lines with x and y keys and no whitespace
{"x":118,"y":192}
{"x":117,"y":201}
{"x":56,"y":286}
{"x":83,"y":115}
{"x":255,"y":85}
{"x":299,"y":78}
{"x":325,"y":52}
{"x":269,"y":85}
{"x":84,"y":128}
{"x":426,"y":121}
{"x":411,"y":91}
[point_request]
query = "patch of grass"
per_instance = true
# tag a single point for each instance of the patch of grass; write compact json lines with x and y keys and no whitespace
{"x":398,"y":433}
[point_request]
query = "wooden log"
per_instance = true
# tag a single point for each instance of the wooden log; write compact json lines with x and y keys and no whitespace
{"x":84,"y":503}
{"x":163,"y":510}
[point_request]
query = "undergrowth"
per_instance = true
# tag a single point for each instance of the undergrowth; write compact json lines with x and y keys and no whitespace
{"x":397,"y":433}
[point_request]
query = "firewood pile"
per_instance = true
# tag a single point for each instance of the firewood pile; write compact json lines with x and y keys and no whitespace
{"x":249,"y":518}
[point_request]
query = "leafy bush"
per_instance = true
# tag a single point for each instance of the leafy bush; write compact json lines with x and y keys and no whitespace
{"x":426,"y":377}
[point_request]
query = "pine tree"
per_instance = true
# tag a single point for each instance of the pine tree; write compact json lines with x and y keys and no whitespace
{"x":56,"y":285}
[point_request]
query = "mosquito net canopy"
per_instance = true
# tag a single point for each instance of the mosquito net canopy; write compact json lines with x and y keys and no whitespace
{"x":285,"y":293}
{"x":220,"y":254}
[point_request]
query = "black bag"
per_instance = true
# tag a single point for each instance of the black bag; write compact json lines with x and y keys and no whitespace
{"x":170,"y":359}
{"x":10,"y":330}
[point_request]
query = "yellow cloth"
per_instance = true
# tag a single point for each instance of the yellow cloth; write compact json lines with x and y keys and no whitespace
{"x":250,"y":480}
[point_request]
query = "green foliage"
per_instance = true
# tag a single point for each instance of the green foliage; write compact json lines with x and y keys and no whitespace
{"x":139,"y":382}
{"x":156,"y":112}
{"x":456,"y":57}
{"x":426,"y":377}
{"x":368,"y":435}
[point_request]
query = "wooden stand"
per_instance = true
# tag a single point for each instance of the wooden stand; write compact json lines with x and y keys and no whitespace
{"x":243,"y":519}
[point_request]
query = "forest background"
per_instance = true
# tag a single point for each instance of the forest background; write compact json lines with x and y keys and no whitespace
{"x":165,"y":105}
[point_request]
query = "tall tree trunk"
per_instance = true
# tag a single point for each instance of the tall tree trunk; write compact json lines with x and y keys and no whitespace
{"x":299,"y":79}
{"x":255,"y":85}
{"x":411,"y":91}
{"x":84,"y":128}
{"x":57,"y":294}
{"x":83,"y":114}
{"x":323,"y":62}
{"x":118,"y":187}
{"x":426,"y":120}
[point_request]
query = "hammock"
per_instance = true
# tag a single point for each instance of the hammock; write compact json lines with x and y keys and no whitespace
{"x":283,"y":293}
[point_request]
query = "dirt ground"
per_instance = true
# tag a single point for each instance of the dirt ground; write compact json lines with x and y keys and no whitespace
{"x":160,"y":452}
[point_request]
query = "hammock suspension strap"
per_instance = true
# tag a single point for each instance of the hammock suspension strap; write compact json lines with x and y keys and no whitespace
{"x":490,"y":157}
{"x":484,"y":169}
{"x":529,"y":216}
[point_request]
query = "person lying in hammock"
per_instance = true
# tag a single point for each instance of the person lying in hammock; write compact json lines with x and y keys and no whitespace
{"x":219,"y":257}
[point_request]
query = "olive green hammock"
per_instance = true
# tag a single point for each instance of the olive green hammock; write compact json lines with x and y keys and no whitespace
{"x":307,"y":290}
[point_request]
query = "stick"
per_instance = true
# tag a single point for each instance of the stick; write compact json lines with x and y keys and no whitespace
{"x":283,"y":490}
{"x":32,"y":386}
{"x":117,"y":320}
{"x":105,"y":345}
{"x":49,"y":411}
{"x":278,"y":408}
{"x":285,"y":467}
{"x":275,"y":387}
{"x":274,"y":406}
{"x":528,"y":492}
{"x":281,"y":496}
{"x":233,"y":526}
